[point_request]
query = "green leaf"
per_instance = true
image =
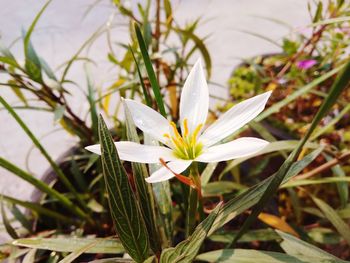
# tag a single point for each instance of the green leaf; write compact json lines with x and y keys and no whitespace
{"x":143,"y":189}
{"x":32,"y":64}
{"x":207,"y":173}
{"x":91,"y":99}
{"x":34,"y":207}
{"x":342,"y":227}
{"x":75,"y":254}
{"x":248,"y":255}
{"x":150,"y":71}
{"x":251,"y":196}
{"x":9,"y":229}
{"x":123,"y":206}
{"x":20,"y":217}
{"x":54,"y":166}
{"x":253,"y":235}
{"x":338,"y":86}
{"x":187,"y":250}
{"x":71,"y":244}
{"x":144,"y":89}
{"x":303,"y":250}
{"x":17,"y":90}
{"x":221,"y":187}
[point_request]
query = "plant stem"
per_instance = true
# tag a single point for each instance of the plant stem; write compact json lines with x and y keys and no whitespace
{"x":193,"y":198}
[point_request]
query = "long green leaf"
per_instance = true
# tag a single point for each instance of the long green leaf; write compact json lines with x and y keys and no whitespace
{"x":338,"y":86}
{"x":251,"y":196}
{"x":124,"y":208}
{"x":303,"y":250}
{"x":39,"y":185}
{"x":150,"y":71}
{"x":91,"y":99}
{"x":71,"y":244}
{"x":38,"y":209}
{"x":187,"y":250}
{"x":54,"y":166}
{"x":248,"y":255}
{"x":143,"y":189}
{"x":144,"y":89}
{"x":342,"y":227}
{"x":9,"y":229}
{"x":75,"y":254}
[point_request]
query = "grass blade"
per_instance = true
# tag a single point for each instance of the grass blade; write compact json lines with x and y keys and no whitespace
{"x":9,"y":229}
{"x":150,"y":71}
{"x":144,"y":89}
{"x":123,"y":206}
{"x":71,"y":244}
{"x":34,"y":207}
{"x":342,"y":228}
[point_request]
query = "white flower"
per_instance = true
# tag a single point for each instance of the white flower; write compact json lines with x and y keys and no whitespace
{"x":193,"y":143}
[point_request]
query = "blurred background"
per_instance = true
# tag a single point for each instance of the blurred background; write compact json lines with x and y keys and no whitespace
{"x":229,"y":26}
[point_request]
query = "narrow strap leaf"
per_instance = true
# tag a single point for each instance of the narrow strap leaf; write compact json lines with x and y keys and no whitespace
{"x":150,"y":71}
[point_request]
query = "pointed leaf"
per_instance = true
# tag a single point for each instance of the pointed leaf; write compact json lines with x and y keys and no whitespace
{"x":187,"y":250}
{"x":144,"y":190}
{"x":123,"y":206}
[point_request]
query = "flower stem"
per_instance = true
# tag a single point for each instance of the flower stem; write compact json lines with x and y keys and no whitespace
{"x":193,"y":197}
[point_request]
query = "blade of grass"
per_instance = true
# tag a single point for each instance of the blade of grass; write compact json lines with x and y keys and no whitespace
{"x":150,"y":71}
{"x":37,"y":208}
{"x":342,"y":227}
{"x":338,"y":86}
{"x":144,"y":90}
{"x":9,"y":229}
{"x":71,"y":244}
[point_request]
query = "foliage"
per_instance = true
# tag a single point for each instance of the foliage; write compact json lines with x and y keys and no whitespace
{"x":98,"y":209}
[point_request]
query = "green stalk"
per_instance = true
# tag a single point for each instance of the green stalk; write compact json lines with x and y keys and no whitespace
{"x":193,"y":198}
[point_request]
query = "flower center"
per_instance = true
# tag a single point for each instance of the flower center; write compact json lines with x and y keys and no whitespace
{"x":186,"y":145}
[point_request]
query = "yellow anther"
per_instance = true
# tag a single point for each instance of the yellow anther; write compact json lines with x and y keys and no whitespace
{"x":185,"y":127}
{"x":195,"y":133}
{"x":166,"y":135}
{"x":176,"y":133}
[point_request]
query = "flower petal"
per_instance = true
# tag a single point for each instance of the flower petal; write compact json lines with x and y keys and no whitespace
{"x":134,"y":152}
{"x":194,"y":100}
{"x":148,"y":120}
{"x":241,"y":147}
{"x":164,"y":174}
{"x":233,"y":119}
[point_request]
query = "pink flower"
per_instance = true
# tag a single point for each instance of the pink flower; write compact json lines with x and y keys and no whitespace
{"x":306,"y":64}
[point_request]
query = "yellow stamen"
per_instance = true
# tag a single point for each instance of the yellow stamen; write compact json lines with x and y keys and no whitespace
{"x":166,"y":135}
{"x":176,"y":133}
{"x":195,"y":133}
{"x":185,"y":127}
